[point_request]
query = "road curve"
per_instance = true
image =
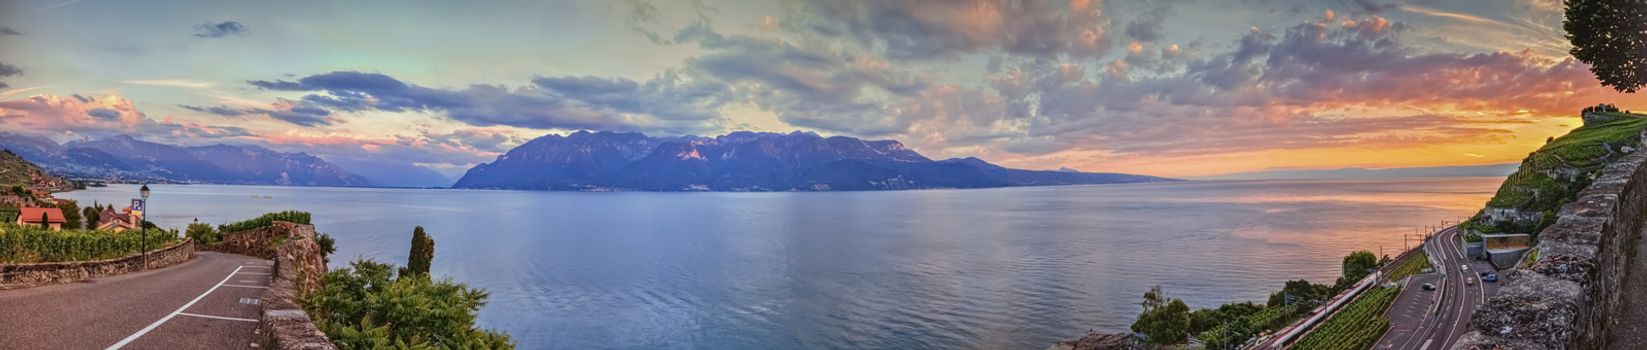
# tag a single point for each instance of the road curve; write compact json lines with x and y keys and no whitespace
{"x":210,"y":302}
{"x":1459,"y":291}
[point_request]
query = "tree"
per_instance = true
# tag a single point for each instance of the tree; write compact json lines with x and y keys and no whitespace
{"x":1164,"y":320}
{"x":92,"y":216}
{"x":1299,"y":292}
{"x":1357,"y":265}
{"x":423,"y":252}
{"x":1611,"y":36}
{"x":71,"y":213}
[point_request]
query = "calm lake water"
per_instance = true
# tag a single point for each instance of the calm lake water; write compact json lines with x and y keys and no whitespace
{"x":1015,"y":268}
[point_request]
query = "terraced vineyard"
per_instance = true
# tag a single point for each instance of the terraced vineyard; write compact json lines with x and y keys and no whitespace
{"x":1554,"y":174}
{"x":1411,"y":266}
{"x":19,"y":244}
{"x":1357,"y":326}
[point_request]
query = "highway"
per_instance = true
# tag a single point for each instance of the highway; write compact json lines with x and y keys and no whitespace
{"x":209,"y":302}
{"x":1422,"y":319}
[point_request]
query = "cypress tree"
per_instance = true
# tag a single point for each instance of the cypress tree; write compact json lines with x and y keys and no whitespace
{"x":423,"y":252}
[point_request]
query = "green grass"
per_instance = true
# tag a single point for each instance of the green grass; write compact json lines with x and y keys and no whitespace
{"x":20,"y":244}
{"x":1411,"y":266}
{"x":292,"y":216}
{"x":1356,"y":326}
{"x":1587,"y":149}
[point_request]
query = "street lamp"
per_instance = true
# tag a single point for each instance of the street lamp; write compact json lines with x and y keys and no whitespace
{"x":142,"y":221}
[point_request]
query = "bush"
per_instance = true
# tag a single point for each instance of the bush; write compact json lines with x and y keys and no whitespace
{"x":327,"y":246}
{"x":202,"y":233}
{"x":19,"y":244}
{"x":292,"y":216}
{"x":366,"y":306}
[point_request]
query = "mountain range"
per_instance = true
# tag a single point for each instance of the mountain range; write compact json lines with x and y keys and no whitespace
{"x":123,"y":158}
{"x":747,"y":161}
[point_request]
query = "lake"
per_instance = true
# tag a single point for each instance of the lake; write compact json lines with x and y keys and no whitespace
{"x":1011,"y":268}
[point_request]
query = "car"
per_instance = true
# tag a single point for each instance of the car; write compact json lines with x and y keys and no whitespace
{"x":1428,"y":286}
{"x":1469,"y":281}
{"x":1464,"y":267}
{"x":1491,"y":277}
{"x":1485,"y":273}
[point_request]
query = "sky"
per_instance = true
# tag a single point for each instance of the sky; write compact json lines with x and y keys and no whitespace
{"x":1161,"y":87}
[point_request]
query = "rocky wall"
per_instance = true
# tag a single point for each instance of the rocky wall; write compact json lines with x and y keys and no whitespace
{"x":38,"y":274}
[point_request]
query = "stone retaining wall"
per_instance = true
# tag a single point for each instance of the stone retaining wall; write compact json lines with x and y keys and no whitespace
{"x":14,"y":276}
{"x":1564,"y":301}
{"x":299,"y":265}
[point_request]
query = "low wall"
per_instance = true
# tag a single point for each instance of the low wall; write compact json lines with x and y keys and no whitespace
{"x":14,"y":276}
{"x":298,"y":267}
{"x":259,"y":242}
{"x":1564,"y":300}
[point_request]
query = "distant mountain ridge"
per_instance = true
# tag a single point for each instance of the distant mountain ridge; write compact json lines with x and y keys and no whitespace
{"x":123,"y":158}
{"x":746,"y":161}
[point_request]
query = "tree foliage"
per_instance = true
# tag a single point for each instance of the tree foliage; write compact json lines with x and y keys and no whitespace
{"x":71,"y":214}
{"x":203,"y":233}
{"x":1611,"y":36}
{"x":422,"y":254}
{"x":1300,"y":292}
{"x":1164,"y":320}
{"x":366,"y":306}
{"x":1357,"y":265}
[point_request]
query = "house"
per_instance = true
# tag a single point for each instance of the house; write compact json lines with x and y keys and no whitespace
{"x":117,"y":221}
{"x":50,"y":217}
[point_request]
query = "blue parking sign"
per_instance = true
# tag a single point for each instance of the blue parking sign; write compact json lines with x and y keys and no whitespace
{"x":137,"y":205}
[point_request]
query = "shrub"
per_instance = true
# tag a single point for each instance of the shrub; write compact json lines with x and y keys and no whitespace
{"x":366,"y":306}
{"x":327,"y":246}
{"x":292,"y":216}
{"x":203,"y":233}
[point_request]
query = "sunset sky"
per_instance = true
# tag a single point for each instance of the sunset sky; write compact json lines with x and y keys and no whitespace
{"x":1173,"y":88}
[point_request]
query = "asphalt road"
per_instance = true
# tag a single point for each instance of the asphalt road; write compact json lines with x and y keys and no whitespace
{"x":210,"y":302}
{"x":1422,"y":319}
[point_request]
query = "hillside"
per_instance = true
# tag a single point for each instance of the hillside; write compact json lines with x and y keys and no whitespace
{"x":1553,"y":175}
{"x":123,"y":158}
{"x":15,"y":171}
{"x":747,"y":161}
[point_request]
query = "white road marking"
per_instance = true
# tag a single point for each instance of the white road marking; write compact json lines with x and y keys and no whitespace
{"x":244,"y":286}
{"x":156,"y":324}
{"x":220,"y":317}
{"x":253,"y":273}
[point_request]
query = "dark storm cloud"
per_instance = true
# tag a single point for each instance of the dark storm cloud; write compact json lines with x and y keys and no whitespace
{"x":219,"y":30}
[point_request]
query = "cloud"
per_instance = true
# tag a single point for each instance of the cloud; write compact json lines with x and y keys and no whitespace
{"x":943,"y":29}
{"x":219,"y":30}
{"x":170,"y":83}
{"x":104,"y":113}
{"x":668,"y":103}
{"x":811,"y":85}
{"x":7,"y":70}
{"x":9,"y":31}
{"x":78,"y":116}
{"x":224,"y":111}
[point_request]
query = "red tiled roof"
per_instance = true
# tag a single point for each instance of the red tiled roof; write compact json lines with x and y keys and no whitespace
{"x":32,"y":215}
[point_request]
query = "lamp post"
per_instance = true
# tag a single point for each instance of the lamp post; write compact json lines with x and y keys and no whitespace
{"x":142,"y":221}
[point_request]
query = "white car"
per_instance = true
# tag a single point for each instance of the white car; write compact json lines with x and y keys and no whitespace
{"x":1465,"y":267}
